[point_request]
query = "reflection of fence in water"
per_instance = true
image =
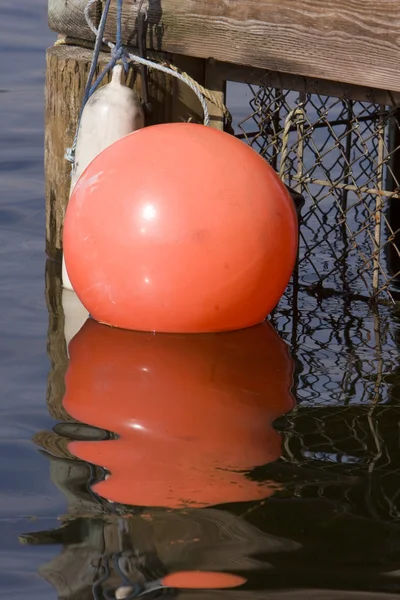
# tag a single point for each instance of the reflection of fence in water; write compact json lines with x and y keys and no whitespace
{"x":351,"y":453}
{"x":345,"y":426}
{"x":345,"y":351}
{"x":343,"y":434}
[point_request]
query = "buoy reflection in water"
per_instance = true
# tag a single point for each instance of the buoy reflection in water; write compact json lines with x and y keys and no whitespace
{"x":192,"y":413}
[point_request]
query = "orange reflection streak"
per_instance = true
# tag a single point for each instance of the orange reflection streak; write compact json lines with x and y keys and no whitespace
{"x":192,"y":412}
{"x":202,"y":580}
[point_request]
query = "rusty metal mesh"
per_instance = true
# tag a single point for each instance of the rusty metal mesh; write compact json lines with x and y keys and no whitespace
{"x":341,"y":155}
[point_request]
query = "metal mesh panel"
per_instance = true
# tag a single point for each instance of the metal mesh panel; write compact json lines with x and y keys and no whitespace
{"x":341,"y":443}
{"x":341,"y":155}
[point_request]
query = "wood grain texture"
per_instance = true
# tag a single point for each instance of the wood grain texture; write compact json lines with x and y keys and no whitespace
{"x":353,"y":41}
{"x":66,"y":16}
{"x":65,"y":82}
{"x":67,"y":71}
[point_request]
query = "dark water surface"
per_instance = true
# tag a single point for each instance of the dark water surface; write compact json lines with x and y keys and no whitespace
{"x":26,"y":489}
{"x":317,"y":518}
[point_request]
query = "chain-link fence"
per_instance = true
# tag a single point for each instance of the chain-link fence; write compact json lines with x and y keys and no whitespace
{"x":342,"y":155}
{"x":341,"y":442}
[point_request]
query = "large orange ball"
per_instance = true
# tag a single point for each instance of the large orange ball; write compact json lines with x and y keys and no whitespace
{"x":180,"y":228}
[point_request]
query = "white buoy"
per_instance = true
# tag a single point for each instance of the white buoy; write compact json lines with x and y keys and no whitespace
{"x":112,"y":112}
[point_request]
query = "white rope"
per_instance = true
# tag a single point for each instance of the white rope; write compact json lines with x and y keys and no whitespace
{"x":151,"y":64}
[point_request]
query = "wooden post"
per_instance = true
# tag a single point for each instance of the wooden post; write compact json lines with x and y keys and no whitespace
{"x":67,"y":71}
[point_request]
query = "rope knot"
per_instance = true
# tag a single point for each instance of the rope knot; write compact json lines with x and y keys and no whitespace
{"x":118,"y":52}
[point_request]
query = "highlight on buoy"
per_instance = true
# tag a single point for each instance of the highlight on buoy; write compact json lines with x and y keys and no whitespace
{"x":200,"y":237}
{"x":193,"y":414}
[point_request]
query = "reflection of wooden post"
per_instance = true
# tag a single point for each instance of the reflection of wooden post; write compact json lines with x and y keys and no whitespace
{"x":67,"y":71}
{"x":56,"y":347}
{"x":154,"y":544}
{"x":73,"y":571}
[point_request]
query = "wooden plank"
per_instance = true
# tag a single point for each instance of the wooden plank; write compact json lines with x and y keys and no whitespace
{"x":67,"y":17}
{"x":353,"y":41}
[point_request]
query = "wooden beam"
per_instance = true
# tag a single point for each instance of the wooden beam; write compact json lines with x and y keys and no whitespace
{"x":353,"y":41}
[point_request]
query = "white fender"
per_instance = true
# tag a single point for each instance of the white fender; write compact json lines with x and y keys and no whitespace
{"x":112,"y":112}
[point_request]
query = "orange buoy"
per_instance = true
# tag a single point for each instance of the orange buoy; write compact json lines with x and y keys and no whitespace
{"x":180,"y":228}
{"x":192,"y":413}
